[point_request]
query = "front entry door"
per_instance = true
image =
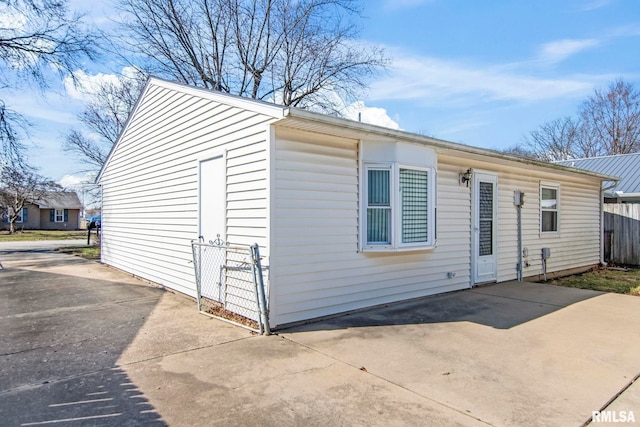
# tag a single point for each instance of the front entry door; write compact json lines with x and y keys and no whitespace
{"x":484,"y":227}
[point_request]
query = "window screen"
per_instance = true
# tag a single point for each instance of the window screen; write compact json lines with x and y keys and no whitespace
{"x":414,"y":205}
{"x":379,"y":206}
{"x":486,"y":219}
{"x":549,"y":209}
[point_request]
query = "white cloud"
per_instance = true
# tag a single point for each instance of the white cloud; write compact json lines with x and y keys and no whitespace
{"x":560,"y":50}
{"x":11,"y":20}
{"x":595,"y":4}
{"x":372,"y":115}
{"x":86,"y":86}
{"x":78,"y":181}
{"x":440,"y":82}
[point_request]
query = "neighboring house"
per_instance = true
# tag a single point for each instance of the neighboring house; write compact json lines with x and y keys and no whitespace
{"x":55,"y":211}
{"x":347,"y":214}
{"x":624,"y":166}
{"x":622,"y":208}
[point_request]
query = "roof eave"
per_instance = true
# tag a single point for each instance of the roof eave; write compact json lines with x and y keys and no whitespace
{"x":438,"y":143}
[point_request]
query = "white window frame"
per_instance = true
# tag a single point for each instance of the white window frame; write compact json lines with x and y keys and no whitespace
{"x":20,"y":216}
{"x":396,"y":244}
{"x":556,"y":187}
{"x":58,"y":213}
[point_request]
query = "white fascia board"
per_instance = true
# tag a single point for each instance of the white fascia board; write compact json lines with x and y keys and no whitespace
{"x":366,"y":128}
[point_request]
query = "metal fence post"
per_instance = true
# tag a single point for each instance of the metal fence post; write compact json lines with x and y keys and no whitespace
{"x":264,"y":312}
{"x":197,"y":266}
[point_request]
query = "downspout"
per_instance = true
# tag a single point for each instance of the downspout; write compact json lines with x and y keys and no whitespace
{"x":518,"y":200}
{"x":602,"y":191}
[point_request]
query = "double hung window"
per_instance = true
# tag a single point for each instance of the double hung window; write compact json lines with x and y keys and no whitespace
{"x":549,"y":208}
{"x":22,"y":215}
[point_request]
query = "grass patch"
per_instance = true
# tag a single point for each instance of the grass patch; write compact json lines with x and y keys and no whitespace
{"x":20,"y":236}
{"x":88,"y":252}
{"x":604,"y":280}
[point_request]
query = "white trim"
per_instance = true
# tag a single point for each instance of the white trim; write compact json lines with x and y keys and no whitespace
{"x":553,"y":186}
{"x":216,"y":154}
{"x":55,"y":215}
{"x":489,"y":176}
{"x":396,"y":244}
{"x":272,"y":271}
{"x":20,"y":216}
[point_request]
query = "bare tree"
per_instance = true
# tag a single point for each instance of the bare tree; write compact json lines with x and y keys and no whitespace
{"x":19,"y":185}
{"x":612,"y":119}
{"x":554,"y":140}
{"x":519,"y":150}
{"x":104,"y":118}
{"x":38,"y":37}
{"x":608,"y":124}
{"x":297,"y":52}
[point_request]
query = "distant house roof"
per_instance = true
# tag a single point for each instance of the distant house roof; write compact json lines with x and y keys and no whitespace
{"x":59,"y":200}
{"x":625,"y":166}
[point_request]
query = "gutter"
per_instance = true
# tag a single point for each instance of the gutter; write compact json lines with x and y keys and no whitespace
{"x":297,"y":113}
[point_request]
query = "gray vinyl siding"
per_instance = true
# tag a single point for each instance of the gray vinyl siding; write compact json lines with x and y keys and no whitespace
{"x":150,"y":188}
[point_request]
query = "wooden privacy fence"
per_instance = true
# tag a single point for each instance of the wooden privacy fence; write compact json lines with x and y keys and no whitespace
{"x":622,"y":233}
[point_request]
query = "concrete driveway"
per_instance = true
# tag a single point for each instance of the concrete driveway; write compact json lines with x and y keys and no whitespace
{"x":84,"y":344}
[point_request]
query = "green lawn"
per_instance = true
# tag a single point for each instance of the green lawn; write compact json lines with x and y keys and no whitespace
{"x":604,"y":280}
{"x":42,"y":235}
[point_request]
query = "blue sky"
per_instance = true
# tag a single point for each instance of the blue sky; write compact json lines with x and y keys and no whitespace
{"x":483,"y":73}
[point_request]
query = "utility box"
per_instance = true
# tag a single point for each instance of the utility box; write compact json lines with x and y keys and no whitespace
{"x":546,"y":253}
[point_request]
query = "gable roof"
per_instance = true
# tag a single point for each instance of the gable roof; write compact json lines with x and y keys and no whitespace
{"x":59,"y":200}
{"x":322,"y":123}
{"x":625,"y":166}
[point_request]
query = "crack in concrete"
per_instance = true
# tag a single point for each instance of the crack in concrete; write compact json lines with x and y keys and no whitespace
{"x":368,"y":372}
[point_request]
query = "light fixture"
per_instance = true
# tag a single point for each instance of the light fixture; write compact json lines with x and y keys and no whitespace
{"x":465,"y":177}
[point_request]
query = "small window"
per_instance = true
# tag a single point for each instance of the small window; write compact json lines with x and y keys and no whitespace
{"x":400,"y":207}
{"x":549,"y":208}
{"x":379,"y":206}
{"x":21,"y":217}
{"x":59,"y":215}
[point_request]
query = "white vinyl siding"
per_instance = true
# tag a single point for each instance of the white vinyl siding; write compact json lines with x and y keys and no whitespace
{"x":578,"y":244}
{"x":150,"y":188}
{"x":316,"y":267}
{"x":302,"y":195}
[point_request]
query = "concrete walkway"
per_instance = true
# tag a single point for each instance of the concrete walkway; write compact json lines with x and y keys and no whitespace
{"x":84,"y":344}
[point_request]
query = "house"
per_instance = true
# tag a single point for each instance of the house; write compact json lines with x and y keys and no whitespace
{"x":625,"y":166}
{"x":55,"y":211}
{"x":347,"y":214}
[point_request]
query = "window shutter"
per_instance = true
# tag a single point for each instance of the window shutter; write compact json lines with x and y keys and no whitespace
{"x":25,"y":214}
{"x":52,"y":215}
{"x":66,"y":215}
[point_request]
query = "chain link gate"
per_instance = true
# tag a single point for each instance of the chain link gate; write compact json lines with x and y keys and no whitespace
{"x":230,"y":283}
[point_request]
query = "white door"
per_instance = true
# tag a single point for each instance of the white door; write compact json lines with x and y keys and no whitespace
{"x":484,"y":227}
{"x":213,"y":198}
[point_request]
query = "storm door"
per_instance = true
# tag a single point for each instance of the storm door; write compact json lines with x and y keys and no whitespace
{"x":484,"y":227}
